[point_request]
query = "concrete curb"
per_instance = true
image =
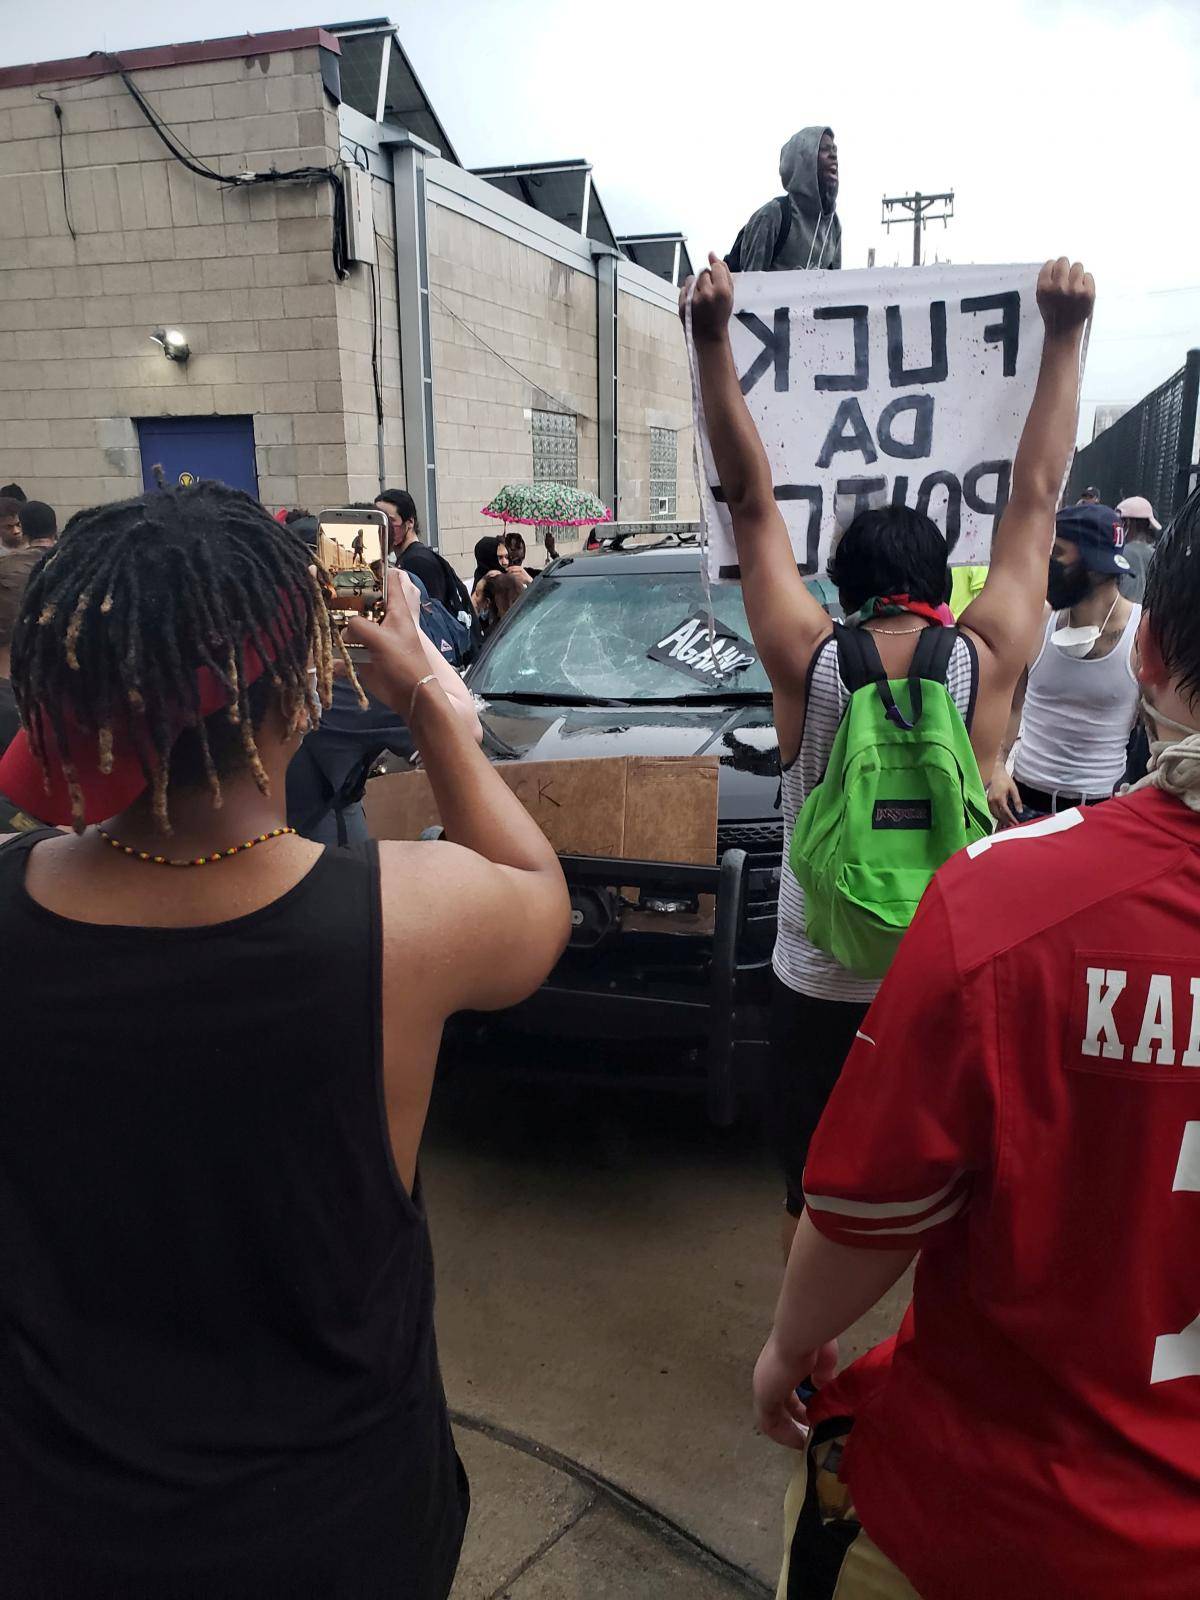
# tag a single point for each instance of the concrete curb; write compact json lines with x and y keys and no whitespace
{"x":652,"y":1521}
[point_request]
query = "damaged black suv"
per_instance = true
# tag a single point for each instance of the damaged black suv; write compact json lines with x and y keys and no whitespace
{"x":612,"y":654}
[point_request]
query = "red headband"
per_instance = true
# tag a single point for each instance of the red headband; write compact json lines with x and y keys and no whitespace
{"x":105,"y":794}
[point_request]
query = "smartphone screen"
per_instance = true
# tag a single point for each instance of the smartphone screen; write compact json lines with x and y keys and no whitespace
{"x":352,"y":547}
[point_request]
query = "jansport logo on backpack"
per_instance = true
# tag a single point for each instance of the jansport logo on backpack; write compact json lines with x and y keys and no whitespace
{"x":902,"y":814}
{"x":900,"y":795}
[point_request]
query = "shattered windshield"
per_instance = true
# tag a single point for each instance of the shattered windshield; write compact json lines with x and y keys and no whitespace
{"x":624,"y":636}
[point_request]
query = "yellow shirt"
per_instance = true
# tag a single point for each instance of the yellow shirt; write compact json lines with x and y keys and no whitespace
{"x":966,"y":584}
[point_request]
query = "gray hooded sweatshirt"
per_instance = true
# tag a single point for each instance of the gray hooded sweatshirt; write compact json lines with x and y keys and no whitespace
{"x":815,"y":239}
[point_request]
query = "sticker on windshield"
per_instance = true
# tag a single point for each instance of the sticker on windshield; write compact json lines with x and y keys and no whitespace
{"x":692,"y":649}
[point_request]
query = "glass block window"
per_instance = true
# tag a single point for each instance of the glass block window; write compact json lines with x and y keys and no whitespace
{"x":663,"y":473}
{"x":555,"y":448}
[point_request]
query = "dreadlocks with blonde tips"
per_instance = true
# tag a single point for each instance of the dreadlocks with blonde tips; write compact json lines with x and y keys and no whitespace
{"x":136,"y":599}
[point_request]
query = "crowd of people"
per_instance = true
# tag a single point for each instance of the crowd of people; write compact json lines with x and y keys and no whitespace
{"x":327,"y":780}
{"x":1013,"y":1103}
{"x":220,"y":1376}
{"x":501,"y":574}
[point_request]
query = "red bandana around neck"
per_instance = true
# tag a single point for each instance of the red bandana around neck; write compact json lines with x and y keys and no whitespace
{"x":894,"y":605}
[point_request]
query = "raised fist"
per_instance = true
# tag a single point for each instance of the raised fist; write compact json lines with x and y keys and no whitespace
{"x":1065,"y":295}
{"x":712,"y":301}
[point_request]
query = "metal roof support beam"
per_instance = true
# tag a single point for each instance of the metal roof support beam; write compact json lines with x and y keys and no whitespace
{"x":385,"y":61}
{"x":416,"y":342}
{"x":587,"y":202}
{"x":531,"y":168}
{"x":607,"y":345}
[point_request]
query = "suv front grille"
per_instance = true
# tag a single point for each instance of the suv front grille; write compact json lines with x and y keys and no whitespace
{"x":763,"y":844}
{"x":755,"y":838}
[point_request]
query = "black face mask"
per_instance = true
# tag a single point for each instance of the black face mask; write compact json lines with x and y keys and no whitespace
{"x":1067,"y":586}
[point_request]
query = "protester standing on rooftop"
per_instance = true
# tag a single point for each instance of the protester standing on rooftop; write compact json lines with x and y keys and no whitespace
{"x":800,"y":230}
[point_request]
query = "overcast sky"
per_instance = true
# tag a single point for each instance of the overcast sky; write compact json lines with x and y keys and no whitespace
{"x":1063,"y":126}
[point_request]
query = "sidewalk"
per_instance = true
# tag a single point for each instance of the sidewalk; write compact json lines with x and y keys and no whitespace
{"x":543,"y":1528}
{"x":606,"y":1272}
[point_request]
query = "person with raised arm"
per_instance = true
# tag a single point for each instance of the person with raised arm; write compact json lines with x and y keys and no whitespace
{"x":891,"y":569}
{"x":1022,"y":1108}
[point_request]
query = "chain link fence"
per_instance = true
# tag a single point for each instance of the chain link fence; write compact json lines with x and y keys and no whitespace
{"x":1150,"y":451}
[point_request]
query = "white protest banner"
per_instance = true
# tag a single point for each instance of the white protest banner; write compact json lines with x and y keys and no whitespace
{"x":904,"y":385}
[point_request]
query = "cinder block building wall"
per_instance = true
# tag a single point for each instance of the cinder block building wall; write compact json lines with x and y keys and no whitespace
{"x":655,"y":394}
{"x":247,"y":273}
{"x":361,"y":331}
{"x":301,"y":360}
{"x":514,"y":307}
{"x":514,"y":332}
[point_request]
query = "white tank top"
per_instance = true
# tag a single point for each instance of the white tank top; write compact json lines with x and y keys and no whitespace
{"x":797,"y":961}
{"x":1078,"y":715}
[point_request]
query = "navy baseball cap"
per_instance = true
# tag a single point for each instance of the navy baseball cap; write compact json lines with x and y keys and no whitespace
{"x":1100,"y":534}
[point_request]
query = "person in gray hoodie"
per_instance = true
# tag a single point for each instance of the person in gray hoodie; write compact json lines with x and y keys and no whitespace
{"x":807,"y":233}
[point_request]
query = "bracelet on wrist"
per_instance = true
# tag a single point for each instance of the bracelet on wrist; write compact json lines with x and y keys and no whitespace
{"x":430,"y":677}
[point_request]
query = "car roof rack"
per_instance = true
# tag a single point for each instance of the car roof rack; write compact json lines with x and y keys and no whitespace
{"x":670,"y":533}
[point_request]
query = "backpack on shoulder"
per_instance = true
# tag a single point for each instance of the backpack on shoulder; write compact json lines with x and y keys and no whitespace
{"x":463,"y":626}
{"x":734,"y":259}
{"x":449,"y":633}
{"x":902,"y":792}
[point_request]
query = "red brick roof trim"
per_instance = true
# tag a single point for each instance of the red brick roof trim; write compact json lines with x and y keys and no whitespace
{"x":170,"y":55}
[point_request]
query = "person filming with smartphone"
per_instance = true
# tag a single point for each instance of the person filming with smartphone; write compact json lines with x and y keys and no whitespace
{"x":327,"y":777}
{"x":220,"y":1372}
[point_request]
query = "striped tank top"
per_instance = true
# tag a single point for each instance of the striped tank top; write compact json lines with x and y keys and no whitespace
{"x":797,"y":962}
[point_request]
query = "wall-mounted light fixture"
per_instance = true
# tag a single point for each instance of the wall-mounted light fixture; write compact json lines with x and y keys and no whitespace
{"x":172,"y":343}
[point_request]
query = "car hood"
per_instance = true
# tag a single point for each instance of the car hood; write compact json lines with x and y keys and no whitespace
{"x":741,"y":736}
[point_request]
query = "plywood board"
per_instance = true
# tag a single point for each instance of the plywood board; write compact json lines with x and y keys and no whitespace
{"x":646,"y":808}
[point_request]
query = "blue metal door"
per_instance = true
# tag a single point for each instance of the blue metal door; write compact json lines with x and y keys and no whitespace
{"x":190,"y":448}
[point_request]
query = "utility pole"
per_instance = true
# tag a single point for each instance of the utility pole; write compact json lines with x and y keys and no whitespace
{"x":919,"y":205}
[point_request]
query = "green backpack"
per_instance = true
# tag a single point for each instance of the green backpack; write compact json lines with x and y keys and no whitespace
{"x":900,"y":795}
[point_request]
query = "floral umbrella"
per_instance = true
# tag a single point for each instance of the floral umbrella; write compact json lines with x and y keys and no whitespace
{"x":554,"y":505}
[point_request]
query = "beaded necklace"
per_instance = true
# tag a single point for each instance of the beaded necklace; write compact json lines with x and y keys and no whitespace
{"x":197,"y":861}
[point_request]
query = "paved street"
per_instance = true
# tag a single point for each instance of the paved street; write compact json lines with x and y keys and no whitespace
{"x":607,"y":1266}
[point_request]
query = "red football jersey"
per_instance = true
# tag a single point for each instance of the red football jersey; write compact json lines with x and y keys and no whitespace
{"x":1023,"y":1104}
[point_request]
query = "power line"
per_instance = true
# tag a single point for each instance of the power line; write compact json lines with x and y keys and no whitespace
{"x":237,"y":180}
{"x":918,"y":206}
{"x":62,"y":162}
{"x":563,"y":405}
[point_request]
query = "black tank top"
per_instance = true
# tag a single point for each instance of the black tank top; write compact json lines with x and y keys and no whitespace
{"x":218,"y":1375}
